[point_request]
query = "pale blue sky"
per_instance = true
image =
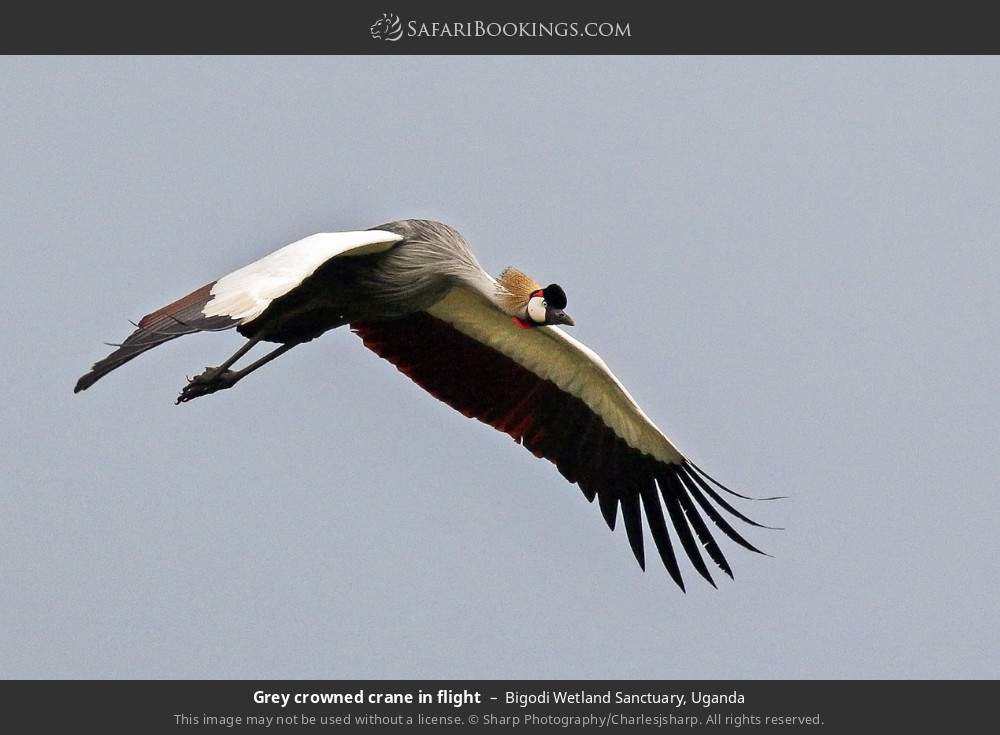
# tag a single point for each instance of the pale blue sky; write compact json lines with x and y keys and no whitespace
{"x":792,"y":263}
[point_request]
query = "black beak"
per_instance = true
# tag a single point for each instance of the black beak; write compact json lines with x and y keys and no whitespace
{"x":558,"y":316}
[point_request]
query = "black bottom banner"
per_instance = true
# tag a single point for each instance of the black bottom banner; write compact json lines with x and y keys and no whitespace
{"x":758,"y":706}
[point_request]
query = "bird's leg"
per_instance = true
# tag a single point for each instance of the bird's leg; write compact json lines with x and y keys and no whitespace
{"x":220,"y":378}
{"x":211,"y":374}
{"x":211,"y":380}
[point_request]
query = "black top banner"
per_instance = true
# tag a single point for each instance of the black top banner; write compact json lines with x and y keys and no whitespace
{"x":397,"y":27}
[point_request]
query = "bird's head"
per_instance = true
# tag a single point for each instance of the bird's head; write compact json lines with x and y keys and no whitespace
{"x":529,"y":304}
{"x":546,"y":306}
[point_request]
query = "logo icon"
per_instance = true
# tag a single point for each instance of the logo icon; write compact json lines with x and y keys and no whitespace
{"x":387,"y":28}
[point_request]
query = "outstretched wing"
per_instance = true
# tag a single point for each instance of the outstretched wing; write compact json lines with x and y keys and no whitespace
{"x":557,"y":397}
{"x":241,"y":296}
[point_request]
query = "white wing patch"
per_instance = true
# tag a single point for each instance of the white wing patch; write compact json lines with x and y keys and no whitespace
{"x":552,"y":354}
{"x":244,"y":294}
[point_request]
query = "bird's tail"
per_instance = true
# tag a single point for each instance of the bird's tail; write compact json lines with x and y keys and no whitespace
{"x":183,"y":316}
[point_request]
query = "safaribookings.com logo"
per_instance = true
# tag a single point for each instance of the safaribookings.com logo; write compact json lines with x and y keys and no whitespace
{"x":390,"y":28}
{"x":387,"y":28}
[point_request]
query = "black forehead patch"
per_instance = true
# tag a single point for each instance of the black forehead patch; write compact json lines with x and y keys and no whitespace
{"x":555,"y":296}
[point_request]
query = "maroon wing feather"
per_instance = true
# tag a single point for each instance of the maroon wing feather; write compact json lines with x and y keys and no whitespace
{"x":183,"y":316}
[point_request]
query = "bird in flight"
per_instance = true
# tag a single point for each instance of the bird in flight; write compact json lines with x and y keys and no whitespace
{"x":490,"y":348}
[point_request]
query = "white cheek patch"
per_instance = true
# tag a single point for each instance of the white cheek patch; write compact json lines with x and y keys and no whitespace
{"x":536,"y":309}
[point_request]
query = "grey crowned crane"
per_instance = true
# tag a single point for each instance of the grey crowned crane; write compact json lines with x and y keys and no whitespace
{"x":414,"y":293}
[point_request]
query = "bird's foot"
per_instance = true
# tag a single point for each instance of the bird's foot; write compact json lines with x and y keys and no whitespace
{"x":206,"y":383}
